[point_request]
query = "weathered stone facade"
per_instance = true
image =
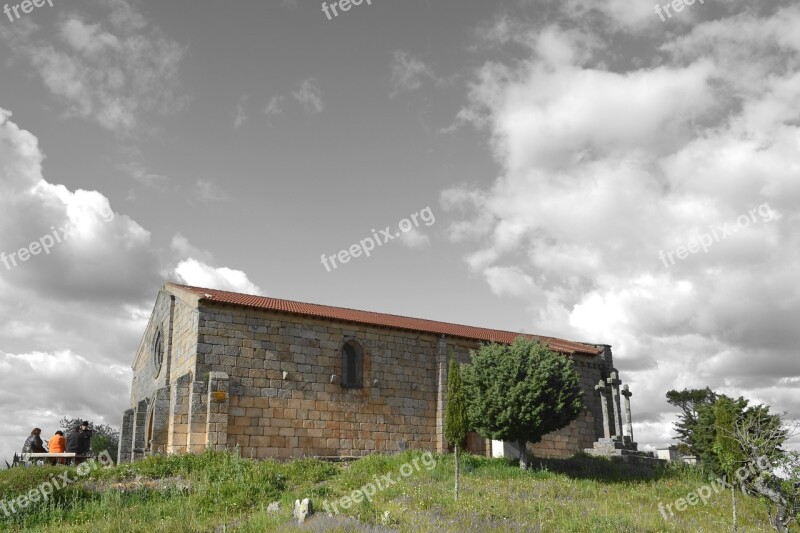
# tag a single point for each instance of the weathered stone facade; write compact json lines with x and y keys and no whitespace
{"x":268,"y":380}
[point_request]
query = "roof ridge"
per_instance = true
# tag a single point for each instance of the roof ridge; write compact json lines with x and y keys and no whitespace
{"x":358,"y":310}
{"x":434,"y":326}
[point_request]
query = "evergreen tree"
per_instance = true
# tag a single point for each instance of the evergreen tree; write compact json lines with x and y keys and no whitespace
{"x":690,"y":401}
{"x":704,"y":432}
{"x":521,"y":392}
{"x":729,"y":455}
{"x":455,"y":414}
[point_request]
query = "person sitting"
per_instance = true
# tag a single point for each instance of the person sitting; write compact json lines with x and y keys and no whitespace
{"x":80,"y":442}
{"x":34,"y":444}
{"x":58,"y":444}
{"x":74,"y":441}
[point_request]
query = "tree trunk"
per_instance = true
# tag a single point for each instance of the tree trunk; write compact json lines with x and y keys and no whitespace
{"x":733,"y":498}
{"x":523,"y":455}
{"x":780,"y":521}
{"x":456,"y":456}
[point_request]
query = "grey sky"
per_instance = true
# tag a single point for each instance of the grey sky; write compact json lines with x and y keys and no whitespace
{"x":560,"y":145}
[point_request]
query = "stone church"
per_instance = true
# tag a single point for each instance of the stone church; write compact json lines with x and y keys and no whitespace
{"x":280,"y":379}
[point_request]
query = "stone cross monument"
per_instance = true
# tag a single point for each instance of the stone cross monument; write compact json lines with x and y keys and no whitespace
{"x":621,"y":444}
{"x":628,"y":424}
{"x":614,"y":382}
{"x":601,"y":387}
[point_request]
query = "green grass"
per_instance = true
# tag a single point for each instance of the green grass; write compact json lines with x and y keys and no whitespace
{"x":203,"y":492}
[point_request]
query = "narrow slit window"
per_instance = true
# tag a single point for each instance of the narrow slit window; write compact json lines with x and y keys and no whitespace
{"x":352,"y":365}
{"x":158,"y":353}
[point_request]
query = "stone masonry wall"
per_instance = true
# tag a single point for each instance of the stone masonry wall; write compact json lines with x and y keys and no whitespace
{"x":145,"y":379}
{"x":270,"y":383}
{"x":285,"y":394}
{"x":580,"y":433}
{"x":286,"y":399}
{"x":177,"y":322}
{"x":184,"y":340}
{"x":179,"y":414}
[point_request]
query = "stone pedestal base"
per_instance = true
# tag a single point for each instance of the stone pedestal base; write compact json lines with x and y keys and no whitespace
{"x":615,"y":447}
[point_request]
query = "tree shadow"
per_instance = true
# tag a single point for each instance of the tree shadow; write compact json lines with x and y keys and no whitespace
{"x":609,"y":470}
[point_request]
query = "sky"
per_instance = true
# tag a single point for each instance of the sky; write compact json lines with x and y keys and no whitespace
{"x":593,"y":171}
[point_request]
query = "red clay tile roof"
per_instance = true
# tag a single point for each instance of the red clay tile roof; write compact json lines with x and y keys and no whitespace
{"x":382,"y":319}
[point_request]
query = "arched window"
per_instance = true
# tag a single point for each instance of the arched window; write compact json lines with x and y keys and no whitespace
{"x":352,"y":365}
{"x":158,"y":353}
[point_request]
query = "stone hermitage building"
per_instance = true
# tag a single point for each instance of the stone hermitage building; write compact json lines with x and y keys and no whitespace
{"x":281,"y":379}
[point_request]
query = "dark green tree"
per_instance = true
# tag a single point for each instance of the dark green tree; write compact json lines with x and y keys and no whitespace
{"x":521,"y":392}
{"x":724,"y":433}
{"x":455,"y":414}
{"x":704,"y":432}
{"x":689,"y":401}
{"x":727,"y":450}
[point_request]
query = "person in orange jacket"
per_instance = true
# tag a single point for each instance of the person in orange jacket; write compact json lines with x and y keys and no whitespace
{"x":57,"y":444}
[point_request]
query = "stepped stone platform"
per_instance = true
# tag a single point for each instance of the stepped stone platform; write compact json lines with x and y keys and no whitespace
{"x":624,"y":449}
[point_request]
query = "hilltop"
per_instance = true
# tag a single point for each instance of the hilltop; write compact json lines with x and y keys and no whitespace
{"x":220,"y":491}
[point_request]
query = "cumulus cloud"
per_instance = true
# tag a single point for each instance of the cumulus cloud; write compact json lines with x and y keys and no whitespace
{"x":198,"y":274}
{"x":109,"y":70}
{"x":183,"y":248}
{"x":605,"y":166}
{"x":73,"y":314}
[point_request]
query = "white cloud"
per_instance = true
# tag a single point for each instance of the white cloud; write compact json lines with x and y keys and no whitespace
{"x":71,"y":319}
{"x":193,"y":272}
{"x":183,"y":248}
{"x":42,"y":387}
{"x":621,"y":14}
{"x":310,"y":96}
{"x":509,"y":281}
{"x":414,"y":239}
{"x":604,"y":167}
{"x":111,"y":71}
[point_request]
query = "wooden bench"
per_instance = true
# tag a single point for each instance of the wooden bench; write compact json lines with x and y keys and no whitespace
{"x":34,"y":457}
{"x":26,"y":456}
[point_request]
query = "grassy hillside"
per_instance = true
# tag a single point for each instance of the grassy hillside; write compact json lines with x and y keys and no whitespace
{"x":222,"y":492}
